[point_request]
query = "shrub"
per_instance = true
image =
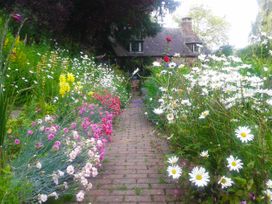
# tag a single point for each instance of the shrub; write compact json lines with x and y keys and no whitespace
{"x":219,"y":117}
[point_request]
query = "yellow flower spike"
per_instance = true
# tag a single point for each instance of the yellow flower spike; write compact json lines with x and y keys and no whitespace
{"x":70,"y":77}
{"x":62,"y":78}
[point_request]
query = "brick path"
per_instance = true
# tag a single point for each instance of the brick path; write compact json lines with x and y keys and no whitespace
{"x":133,"y":169}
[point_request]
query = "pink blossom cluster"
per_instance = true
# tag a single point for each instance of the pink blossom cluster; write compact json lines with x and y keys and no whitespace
{"x":81,"y":144}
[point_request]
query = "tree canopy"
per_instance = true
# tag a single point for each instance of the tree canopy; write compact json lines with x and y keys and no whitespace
{"x":93,"y":21}
{"x":264,"y":18}
{"x":212,"y":29}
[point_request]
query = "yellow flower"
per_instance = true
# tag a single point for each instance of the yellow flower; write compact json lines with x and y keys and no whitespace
{"x":9,"y":131}
{"x":70,"y":77}
{"x":62,"y":78}
{"x":90,"y":93}
{"x":64,"y":88}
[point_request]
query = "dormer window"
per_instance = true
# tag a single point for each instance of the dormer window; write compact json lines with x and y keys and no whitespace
{"x":136,"y":46}
{"x":195,"y":47}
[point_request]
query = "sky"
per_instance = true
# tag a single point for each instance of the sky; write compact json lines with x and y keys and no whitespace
{"x":239,"y":13}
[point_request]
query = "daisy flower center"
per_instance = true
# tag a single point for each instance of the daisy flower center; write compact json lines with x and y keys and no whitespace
{"x":223,"y":181}
{"x":174,"y":171}
{"x":243,"y":134}
{"x":199,"y":177}
{"x":233,"y":163}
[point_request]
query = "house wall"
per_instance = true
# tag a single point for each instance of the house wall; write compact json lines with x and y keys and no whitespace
{"x":190,"y":61}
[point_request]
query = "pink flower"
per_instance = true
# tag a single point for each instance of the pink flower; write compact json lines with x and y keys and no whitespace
{"x":166,"y":59}
{"x":168,"y":39}
{"x":65,"y":130}
{"x":51,"y":136}
{"x":73,"y":125}
{"x":30,"y":132}
{"x":80,"y":196}
{"x":17,"y":17}
{"x":39,"y":145}
{"x":17,"y":141}
{"x":56,"y":145}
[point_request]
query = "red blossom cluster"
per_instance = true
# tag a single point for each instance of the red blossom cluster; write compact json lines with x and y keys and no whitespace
{"x":109,"y":101}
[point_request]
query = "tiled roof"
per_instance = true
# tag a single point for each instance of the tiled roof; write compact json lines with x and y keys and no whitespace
{"x":157,"y":46}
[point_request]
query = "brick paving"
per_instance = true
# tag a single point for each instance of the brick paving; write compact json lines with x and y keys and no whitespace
{"x":133,"y":170}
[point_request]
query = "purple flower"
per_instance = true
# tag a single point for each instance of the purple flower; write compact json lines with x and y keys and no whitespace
{"x":17,"y":17}
{"x":243,"y":202}
{"x":252,"y":196}
{"x":30,"y":132}
{"x":17,"y":141}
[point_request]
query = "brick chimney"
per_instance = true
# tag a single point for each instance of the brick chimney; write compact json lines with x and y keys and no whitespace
{"x":186,"y":26}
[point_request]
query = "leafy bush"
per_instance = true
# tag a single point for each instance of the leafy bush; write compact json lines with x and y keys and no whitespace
{"x":218,"y":116}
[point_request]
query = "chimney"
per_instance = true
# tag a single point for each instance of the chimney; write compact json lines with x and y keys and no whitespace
{"x":186,"y":26}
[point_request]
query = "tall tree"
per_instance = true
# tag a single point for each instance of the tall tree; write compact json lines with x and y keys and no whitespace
{"x":264,"y":18}
{"x":212,"y":29}
{"x":93,"y":21}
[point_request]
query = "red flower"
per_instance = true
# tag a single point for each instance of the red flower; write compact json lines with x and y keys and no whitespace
{"x":17,"y":17}
{"x":168,"y":39}
{"x":166,"y":58}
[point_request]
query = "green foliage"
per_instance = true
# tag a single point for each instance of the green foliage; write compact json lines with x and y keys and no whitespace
{"x":11,"y":191}
{"x":225,"y":50}
{"x":177,"y":97}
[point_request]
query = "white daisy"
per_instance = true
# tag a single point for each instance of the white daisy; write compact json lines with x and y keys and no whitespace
{"x":177,"y":55}
{"x":234,"y":164}
{"x":199,"y":176}
{"x":42,"y":198}
{"x":156,"y":64}
{"x":158,"y":111}
{"x":204,"y":114}
{"x":268,"y":194}
{"x":172,"y":65}
{"x":204,"y":154}
{"x":170,"y":117}
{"x":243,"y":133}
{"x":173,"y":160}
{"x":181,"y":66}
{"x":174,"y":171}
{"x":225,"y":182}
{"x":269,"y":184}
{"x":70,"y":170}
{"x":38,"y":165}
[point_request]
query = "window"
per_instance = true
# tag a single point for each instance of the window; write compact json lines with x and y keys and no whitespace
{"x":136,"y":46}
{"x":195,"y":47}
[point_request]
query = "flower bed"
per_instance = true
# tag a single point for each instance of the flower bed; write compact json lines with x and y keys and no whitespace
{"x":218,"y":116}
{"x":58,"y":159}
{"x":57,"y":143}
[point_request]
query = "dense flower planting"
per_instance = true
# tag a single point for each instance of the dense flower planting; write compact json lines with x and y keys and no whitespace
{"x":58,"y":159}
{"x":218,"y":116}
{"x":57,"y":143}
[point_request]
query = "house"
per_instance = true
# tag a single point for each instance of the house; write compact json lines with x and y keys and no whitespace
{"x":184,"y":42}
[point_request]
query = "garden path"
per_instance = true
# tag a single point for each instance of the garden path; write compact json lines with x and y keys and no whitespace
{"x":133,"y":168}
